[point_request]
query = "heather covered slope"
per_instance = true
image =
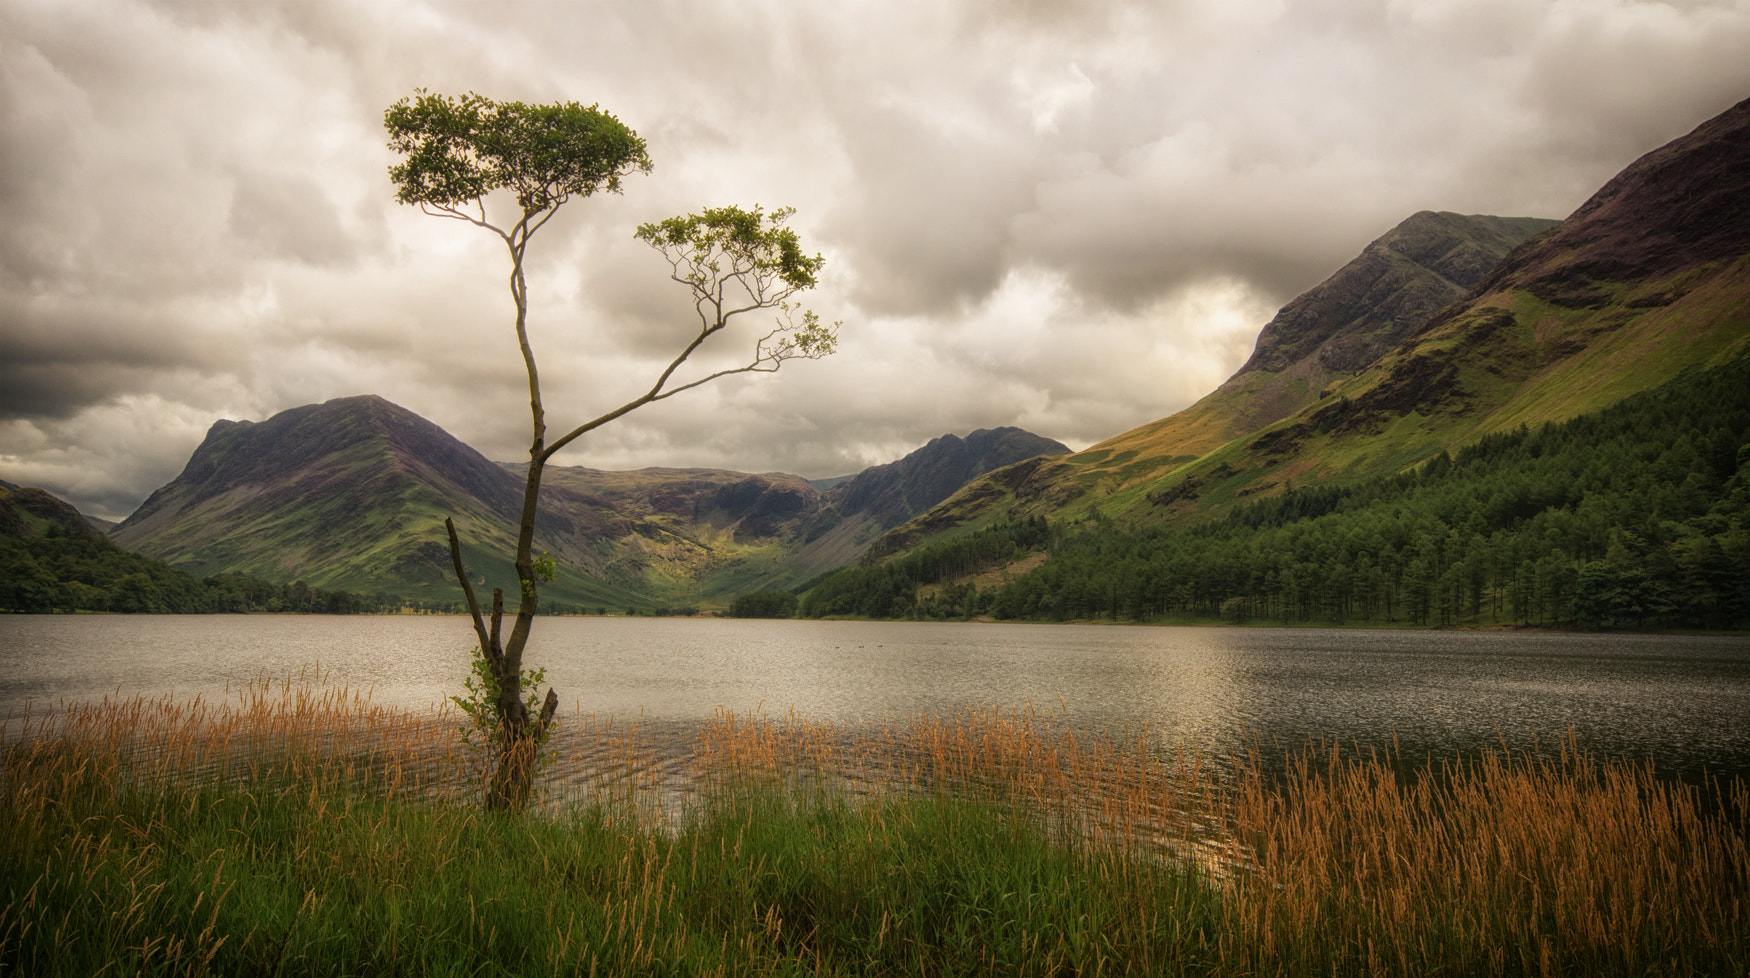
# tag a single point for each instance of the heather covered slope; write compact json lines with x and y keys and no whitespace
{"x":1385,"y":296}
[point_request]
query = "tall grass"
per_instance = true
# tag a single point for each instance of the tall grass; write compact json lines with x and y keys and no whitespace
{"x":294,"y":828}
{"x":1497,"y":864}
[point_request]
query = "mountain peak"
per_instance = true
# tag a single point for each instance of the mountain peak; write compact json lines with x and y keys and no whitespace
{"x":1388,"y":292}
{"x":1683,"y":205}
{"x":308,"y":486}
{"x":897,"y":491}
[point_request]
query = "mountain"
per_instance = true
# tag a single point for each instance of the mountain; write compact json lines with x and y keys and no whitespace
{"x":352,"y":494}
{"x":1388,"y":293}
{"x":855,"y":512}
{"x":349,"y":494}
{"x":698,"y":534}
{"x":1649,"y":278}
{"x":1646,"y":280}
{"x":681,"y":537}
{"x":888,"y":495}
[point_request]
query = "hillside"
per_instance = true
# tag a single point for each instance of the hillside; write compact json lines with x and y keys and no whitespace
{"x":29,"y":513}
{"x":1636,"y":516}
{"x":1647,"y":279}
{"x":52,"y":559}
{"x":26,"y":502}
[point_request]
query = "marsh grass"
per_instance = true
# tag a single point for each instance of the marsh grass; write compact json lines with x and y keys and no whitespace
{"x":1497,"y":864}
{"x":295,"y":828}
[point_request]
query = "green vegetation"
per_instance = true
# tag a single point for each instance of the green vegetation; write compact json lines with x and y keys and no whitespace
{"x":60,"y":571}
{"x":1637,"y":516}
{"x":890,"y":590}
{"x":764,"y":604}
{"x":300,"y":831}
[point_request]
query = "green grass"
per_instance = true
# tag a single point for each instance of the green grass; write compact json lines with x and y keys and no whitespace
{"x":305,"y":832}
{"x":258,"y":880}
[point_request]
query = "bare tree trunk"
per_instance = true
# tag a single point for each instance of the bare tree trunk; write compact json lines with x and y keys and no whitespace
{"x":513,"y":776}
{"x":513,"y":781}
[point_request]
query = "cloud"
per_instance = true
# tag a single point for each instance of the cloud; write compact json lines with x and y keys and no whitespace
{"x":106,"y":458}
{"x":1072,"y":216}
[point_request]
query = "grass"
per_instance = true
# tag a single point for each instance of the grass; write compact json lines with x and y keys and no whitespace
{"x":298,"y":829}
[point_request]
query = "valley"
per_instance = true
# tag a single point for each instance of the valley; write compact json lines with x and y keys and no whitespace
{"x":1477,"y":421}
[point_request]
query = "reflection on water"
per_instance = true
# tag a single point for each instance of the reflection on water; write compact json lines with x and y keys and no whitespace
{"x":1679,"y":700}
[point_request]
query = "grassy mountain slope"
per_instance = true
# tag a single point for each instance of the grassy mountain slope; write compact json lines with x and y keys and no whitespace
{"x":678,"y":537}
{"x":1647,"y":279}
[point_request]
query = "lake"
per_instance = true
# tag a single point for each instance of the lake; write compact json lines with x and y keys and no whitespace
{"x":1684,"y":701}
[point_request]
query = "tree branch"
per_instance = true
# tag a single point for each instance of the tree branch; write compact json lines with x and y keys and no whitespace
{"x":444,"y":210}
{"x":486,"y":644}
{"x":496,"y":653}
{"x":549,"y":706}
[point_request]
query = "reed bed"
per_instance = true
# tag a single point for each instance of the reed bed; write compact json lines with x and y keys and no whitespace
{"x":294,"y":828}
{"x":1498,"y":864}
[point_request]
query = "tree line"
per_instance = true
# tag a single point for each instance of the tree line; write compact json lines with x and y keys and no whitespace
{"x":1632,"y":517}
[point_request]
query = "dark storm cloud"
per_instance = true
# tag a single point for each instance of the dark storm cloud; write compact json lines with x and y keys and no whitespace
{"x":1072,"y":216}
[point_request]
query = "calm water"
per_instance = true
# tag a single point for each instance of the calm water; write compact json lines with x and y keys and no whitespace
{"x":1684,"y":701}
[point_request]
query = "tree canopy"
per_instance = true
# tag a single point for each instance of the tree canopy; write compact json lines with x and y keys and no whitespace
{"x":456,"y":150}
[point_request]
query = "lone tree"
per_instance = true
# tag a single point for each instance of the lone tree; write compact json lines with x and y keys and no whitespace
{"x":459,"y":154}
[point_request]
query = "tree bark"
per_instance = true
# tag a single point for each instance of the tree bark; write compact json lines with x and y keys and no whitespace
{"x":513,"y":781}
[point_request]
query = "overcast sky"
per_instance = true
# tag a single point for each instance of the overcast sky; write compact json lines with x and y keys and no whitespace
{"x":1068,"y":216}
